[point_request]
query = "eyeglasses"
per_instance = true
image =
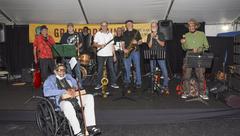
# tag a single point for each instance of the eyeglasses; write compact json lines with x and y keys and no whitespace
{"x":61,"y":70}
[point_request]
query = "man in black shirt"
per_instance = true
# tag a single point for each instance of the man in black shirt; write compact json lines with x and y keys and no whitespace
{"x":132,"y":38}
{"x":87,"y":41}
{"x":156,"y":42}
{"x":118,"y":56}
{"x":72,"y":39}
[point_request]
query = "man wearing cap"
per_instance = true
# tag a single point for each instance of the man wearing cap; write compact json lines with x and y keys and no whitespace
{"x":42,"y":52}
{"x":72,"y":38}
{"x":196,"y":42}
{"x":132,"y":37}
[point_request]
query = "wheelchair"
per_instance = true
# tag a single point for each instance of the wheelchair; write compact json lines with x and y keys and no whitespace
{"x":52,"y":122}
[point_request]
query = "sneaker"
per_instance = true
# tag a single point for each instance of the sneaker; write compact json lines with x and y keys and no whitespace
{"x":184,"y":96}
{"x":114,"y":86}
{"x":138,"y":86}
{"x":79,"y":134}
{"x":204,"y":97}
{"x":94,"y":131}
{"x":98,"y":87}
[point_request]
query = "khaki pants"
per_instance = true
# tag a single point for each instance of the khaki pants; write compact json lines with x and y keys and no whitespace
{"x":187,"y":73}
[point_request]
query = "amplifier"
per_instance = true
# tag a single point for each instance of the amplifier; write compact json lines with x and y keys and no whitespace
{"x":27,"y":75}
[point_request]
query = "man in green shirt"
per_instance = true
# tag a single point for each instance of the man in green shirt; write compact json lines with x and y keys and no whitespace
{"x":196,"y":42}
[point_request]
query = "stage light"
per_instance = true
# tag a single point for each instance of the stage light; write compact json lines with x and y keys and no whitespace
{"x":225,"y":27}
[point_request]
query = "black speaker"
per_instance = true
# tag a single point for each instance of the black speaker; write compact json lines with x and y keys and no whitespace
{"x":2,"y":32}
{"x":166,"y":27}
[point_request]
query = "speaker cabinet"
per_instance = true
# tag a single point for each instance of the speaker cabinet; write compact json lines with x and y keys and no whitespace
{"x":166,"y":27}
{"x":2,"y":32}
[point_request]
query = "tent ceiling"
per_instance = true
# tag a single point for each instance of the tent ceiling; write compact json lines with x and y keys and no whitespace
{"x":210,"y":11}
{"x":117,"y":11}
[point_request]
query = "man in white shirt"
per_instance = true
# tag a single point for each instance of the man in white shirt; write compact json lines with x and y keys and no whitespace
{"x":103,"y":41}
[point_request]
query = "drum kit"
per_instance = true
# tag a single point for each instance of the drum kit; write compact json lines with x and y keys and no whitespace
{"x":88,"y":65}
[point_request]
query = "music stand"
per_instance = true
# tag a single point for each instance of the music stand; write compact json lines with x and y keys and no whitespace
{"x":121,"y":74}
{"x":198,"y":60}
{"x":155,"y":54}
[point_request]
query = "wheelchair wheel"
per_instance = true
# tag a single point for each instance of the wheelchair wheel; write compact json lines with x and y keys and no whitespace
{"x":46,"y":118}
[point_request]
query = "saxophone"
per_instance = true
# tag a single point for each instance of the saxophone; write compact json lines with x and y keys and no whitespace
{"x":104,"y":81}
{"x":131,"y":46}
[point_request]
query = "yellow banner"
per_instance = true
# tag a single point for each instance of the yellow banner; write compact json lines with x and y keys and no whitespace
{"x":57,"y":30}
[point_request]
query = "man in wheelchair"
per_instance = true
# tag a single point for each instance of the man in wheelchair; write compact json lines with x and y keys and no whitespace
{"x":61,"y":87}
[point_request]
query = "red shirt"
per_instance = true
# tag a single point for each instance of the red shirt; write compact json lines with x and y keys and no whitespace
{"x":42,"y":45}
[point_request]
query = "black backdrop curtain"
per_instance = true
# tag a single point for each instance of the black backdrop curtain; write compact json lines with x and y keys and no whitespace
{"x":17,"y":51}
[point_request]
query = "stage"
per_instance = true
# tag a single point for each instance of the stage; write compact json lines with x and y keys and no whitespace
{"x":149,"y":114}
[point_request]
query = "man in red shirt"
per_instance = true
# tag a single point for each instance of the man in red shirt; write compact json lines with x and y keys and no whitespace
{"x":43,"y":53}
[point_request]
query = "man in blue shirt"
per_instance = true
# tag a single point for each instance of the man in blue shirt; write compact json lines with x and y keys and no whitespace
{"x":61,"y":87}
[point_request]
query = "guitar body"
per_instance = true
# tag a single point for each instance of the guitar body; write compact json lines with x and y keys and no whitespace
{"x":130,"y":49}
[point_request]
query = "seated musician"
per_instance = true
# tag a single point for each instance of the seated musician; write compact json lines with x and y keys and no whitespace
{"x":61,"y":87}
{"x":156,"y":42}
{"x":196,"y":42}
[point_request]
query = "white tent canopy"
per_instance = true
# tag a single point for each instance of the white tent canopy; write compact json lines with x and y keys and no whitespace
{"x":117,"y":11}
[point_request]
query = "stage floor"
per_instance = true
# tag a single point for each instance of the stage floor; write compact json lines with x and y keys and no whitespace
{"x":149,"y":111}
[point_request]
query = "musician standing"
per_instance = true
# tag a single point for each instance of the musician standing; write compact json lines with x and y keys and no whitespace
{"x":132,"y":37}
{"x":196,"y":42}
{"x":72,"y":38}
{"x":156,"y":42}
{"x":118,"y":51}
{"x":103,"y":41}
{"x":87,"y":41}
{"x":43,"y":53}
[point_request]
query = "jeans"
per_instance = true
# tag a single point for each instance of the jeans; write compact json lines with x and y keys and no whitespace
{"x":163,"y":67}
{"x":76,"y":70}
{"x":110,"y":69}
{"x":135,"y":57}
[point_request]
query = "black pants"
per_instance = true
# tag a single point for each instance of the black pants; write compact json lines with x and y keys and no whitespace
{"x":46,"y":68}
{"x":110,"y":69}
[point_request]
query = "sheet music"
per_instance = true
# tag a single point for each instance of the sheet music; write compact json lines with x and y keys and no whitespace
{"x":73,"y":62}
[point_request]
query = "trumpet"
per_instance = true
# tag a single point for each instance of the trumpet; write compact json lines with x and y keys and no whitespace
{"x":104,"y":81}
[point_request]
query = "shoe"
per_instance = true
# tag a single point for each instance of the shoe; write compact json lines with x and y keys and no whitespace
{"x":204,"y":97}
{"x":94,"y":131}
{"x":184,"y":96}
{"x":98,"y":87}
{"x":79,"y":134}
{"x":114,"y":86}
{"x":138,"y":86}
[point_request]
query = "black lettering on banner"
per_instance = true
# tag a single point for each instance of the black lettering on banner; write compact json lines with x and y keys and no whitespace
{"x":56,"y":32}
